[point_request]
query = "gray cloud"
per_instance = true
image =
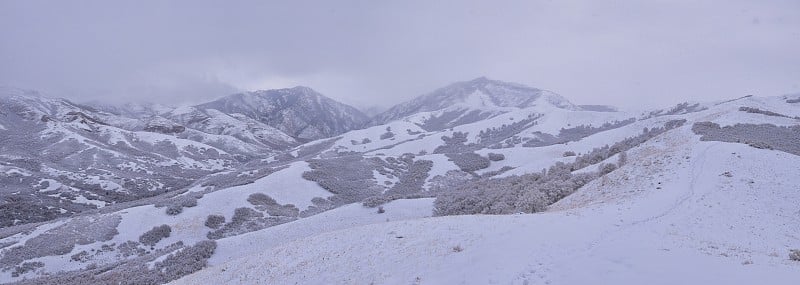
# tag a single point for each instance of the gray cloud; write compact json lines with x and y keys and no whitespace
{"x":628,"y":53}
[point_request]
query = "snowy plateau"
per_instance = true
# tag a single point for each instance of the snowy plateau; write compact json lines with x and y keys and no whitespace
{"x":479,"y":182}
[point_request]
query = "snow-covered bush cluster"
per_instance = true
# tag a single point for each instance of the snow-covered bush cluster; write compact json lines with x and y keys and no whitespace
{"x":455,"y":144}
{"x":794,"y":254}
{"x":215,"y":221}
{"x":412,"y":180}
{"x":574,"y":133}
{"x":682,"y":108}
{"x":764,"y":112}
{"x":492,"y":137}
{"x":178,"y":261}
{"x":795,"y":100}
{"x":534,"y":192}
{"x":154,"y":235}
{"x":350,"y":178}
{"x":469,"y":161}
{"x":237,"y":178}
{"x":26,"y":267}
{"x":265,"y":203}
{"x":62,"y":239}
{"x":411,"y":175}
{"x":526,"y":193}
{"x":388,"y":134}
{"x":495,"y":156}
{"x":453,"y":118}
{"x":765,"y":136}
{"x":176,"y":204}
{"x":246,"y":220}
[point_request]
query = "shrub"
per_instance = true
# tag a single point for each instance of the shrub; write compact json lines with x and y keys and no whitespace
{"x":186,"y":261}
{"x":496,"y":156}
{"x":794,"y":254}
{"x":381,"y":210}
{"x":469,"y":162}
{"x":607,"y":168}
{"x":569,"y":153}
{"x":155,"y":235}
{"x":215,"y":221}
{"x":26,"y":267}
{"x":130,"y":248}
{"x":375,"y":201}
{"x":765,"y":136}
{"x":261,"y":199}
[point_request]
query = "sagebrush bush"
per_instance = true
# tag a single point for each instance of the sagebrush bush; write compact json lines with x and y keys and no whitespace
{"x":215,"y":221}
{"x":765,"y":136}
{"x":154,"y":235}
{"x":496,"y":156}
{"x":469,"y":161}
{"x":794,"y":254}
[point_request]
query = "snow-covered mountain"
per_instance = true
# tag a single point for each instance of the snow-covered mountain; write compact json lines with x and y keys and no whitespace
{"x":64,"y":158}
{"x":471,"y":101}
{"x":300,"y":112}
{"x":540,"y":191}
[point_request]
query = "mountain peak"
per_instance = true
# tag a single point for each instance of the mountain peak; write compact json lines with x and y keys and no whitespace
{"x":300,"y":111}
{"x":480,"y":94}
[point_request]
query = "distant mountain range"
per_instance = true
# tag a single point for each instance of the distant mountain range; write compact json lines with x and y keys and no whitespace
{"x":145,"y":193}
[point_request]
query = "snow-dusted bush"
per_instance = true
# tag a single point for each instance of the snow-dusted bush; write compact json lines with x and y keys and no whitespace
{"x":413,"y":179}
{"x":375,"y":201}
{"x":26,"y":267}
{"x":155,"y":235}
{"x":62,"y":239}
{"x":130,"y":248}
{"x":682,"y":108}
{"x":469,"y":162}
{"x":186,"y":261}
{"x":494,"y":136}
{"x":388,"y":134}
{"x":794,"y":254}
{"x":496,"y":156}
{"x":535,"y":191}
{"x":82,"y":256}
{"x":261,"y":199}
{"x":246,"y":220}
{"x":795,"y":100}
{"x":574,"y":134}
{"x":350,"y":178}
{"x":178,"y":261}
{"x":763,"y":112}
{"x":215,"y":221}
{"x":764,"y":136}
{"x":455,"y":144}
{"x":176,"y":204}
{"x":569,"y":153}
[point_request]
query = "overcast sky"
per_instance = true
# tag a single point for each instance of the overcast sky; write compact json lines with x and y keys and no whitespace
{"x":625,"y":53}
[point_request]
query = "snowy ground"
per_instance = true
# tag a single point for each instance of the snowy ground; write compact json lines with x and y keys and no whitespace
{"x":682,"y":212}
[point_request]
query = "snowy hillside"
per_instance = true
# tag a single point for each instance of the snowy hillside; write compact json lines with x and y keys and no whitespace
{"x":680,"y":211}
{"x":532,"y":190}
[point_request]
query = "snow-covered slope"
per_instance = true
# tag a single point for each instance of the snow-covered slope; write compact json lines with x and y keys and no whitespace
{"x":702,"y":187}
{"x":682,"y":211}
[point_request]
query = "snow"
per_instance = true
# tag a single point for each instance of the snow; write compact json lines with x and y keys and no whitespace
{"x":342,"y":218}
{"x":666,"y":217}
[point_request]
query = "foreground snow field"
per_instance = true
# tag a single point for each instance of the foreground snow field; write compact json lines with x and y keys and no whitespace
{"x":683,"y":212}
